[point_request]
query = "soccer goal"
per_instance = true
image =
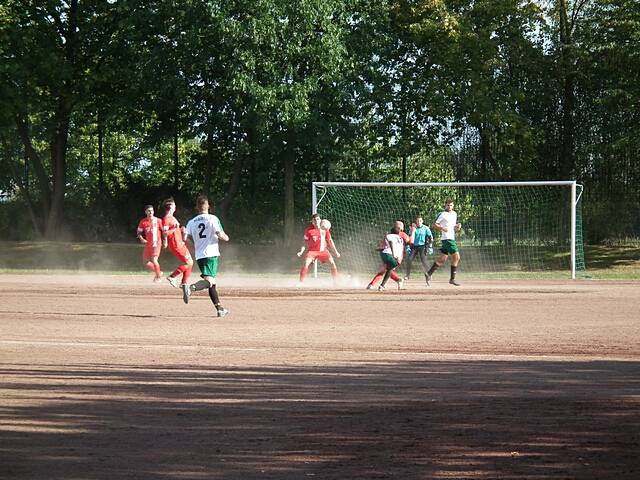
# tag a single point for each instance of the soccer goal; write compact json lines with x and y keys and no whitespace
{"x":508,"y":228}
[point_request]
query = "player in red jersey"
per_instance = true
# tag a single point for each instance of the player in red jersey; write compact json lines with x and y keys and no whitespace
{"x":316,"y":241}
{"x":150,"y":235}
{"x":172,"y":239}
{"x":391,"y":252}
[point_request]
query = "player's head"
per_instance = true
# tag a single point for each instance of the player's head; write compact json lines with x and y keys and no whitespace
{"x":169,"y":205}
{"x":315,"y":220}
{"x":419,"y":221}
{"x":202,"y":204}
{"x":148,"y":210}
{"x":448,"y":204}
{"x":398,"y":226}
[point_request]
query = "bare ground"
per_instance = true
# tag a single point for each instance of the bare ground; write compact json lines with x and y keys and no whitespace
{"x":114,"y":377}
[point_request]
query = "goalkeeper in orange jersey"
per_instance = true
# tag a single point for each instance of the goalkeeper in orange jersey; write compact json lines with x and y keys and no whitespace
{"x":392,"y":253}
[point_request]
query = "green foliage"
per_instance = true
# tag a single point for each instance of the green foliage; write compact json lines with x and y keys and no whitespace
{"x":335,"y":89}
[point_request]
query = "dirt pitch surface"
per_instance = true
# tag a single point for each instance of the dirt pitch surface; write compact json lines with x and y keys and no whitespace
{"x":113,"y":377}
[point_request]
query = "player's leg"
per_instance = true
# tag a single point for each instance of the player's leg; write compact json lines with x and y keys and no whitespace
{"x":334,"y":268}
{"x":377,"y":277}
{"x":156,"y":268}
{"x":455,"y":259}
{"x":308,"y":260}
{"x":439,"y":261}
{"x":423,"y":259}
{"x":410,"y":257}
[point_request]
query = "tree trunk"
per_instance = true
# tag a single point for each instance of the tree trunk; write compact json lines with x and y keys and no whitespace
{"x":176,"y":159}
{"x":208,"y":168}
{"x":234,"y":186}
{"x":289,"y":201}
{"x":100,"y":158}
{"x":567,"y":160}
{"x":59,"y":164}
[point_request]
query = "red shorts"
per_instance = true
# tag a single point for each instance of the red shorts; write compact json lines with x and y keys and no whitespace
{"x":323,"y":256}
{"x":181,"y":254}
{"x":150,"y":251}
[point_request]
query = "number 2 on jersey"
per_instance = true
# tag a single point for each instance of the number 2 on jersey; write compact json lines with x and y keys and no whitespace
{"x":201,"y":227}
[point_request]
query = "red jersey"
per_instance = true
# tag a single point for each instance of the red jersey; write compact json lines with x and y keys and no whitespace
{"x":171,"y":227}
{"x":316,"y":239}
{"x":151,"y":230}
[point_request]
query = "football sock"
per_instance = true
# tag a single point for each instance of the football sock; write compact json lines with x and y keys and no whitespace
{"x":186,"y":273}
{"x":433,"y":268}
{"x":334,"y":272}
{"x":377,"y":278}
{"x":454,"y":268}
{"x":394,"y":276}
{"x":151,"y":267}
{"x":200,"y":285}
{"x":303,"y":272}
{"x":386,"y":277}
{"x":213,"y":295}
{"x":157,"y":269}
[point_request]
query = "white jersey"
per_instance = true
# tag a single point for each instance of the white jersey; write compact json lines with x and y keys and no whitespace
{"x":203,"y":231}
{"x":394,"y":245}
{"x":449,"y":221}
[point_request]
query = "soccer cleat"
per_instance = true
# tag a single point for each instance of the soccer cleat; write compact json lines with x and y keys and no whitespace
{"x":400,"y":284}
{"x":381,"y":288}
{"x":370,"y":286}
{"x":186,"y":292}
{"x":223,"y":312}
{"x":173,"y":281}
{"x":453,"y":282}
{"x":427,"y":278}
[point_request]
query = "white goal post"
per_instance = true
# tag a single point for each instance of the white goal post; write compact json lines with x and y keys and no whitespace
{"x":472,"y":191}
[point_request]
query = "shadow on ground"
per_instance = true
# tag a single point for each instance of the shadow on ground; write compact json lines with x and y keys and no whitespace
{"x":406,"y":420}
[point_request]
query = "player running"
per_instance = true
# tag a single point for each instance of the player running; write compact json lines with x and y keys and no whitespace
{"x":204,"y":232}
{"x":391,"y":252}
{"x":447,"y":223}
{"x":150,"y":235}
{"x":421,"y":239}
{"x":172,"y":239}
{"x":316,"y":241}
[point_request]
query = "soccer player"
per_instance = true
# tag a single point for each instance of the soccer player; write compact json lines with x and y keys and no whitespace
{"x":150,"y":235}
{"x":204,"y":232}
{"x":447,"y":224}
{"x":420,"y":239}
{"x":391,"y":252}
{"x":172,"y":239}
{"x":316,"y":241}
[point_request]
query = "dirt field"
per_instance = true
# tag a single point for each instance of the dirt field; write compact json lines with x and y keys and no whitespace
{"x":113,"y":377}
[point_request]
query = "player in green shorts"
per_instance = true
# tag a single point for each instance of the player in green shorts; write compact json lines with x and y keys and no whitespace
{"x":204,"y":231}
{"x":447,"y":224}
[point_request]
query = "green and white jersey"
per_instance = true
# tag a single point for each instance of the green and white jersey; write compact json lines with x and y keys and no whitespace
{"x":448,"y":220}
{"x":203,"y":230}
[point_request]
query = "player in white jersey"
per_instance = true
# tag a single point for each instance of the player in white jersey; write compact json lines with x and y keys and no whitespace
{"x":204,"y":232}
{"x":447,"y":224}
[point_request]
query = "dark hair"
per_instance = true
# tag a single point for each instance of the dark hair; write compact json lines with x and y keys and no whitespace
{"x":147,"y":207}
{"x":448,"y":200}
{"x":168,"y":202}
{"x":201,"y":200}
{"x":315,"y":215}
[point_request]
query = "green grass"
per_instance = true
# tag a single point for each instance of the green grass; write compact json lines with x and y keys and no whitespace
{"x":604,"y":262}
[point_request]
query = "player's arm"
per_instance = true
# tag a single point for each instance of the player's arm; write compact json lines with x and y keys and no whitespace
{"x":331,"y":244}
{"x":440,"y":228}
{"x":304,"y":246}
{"x":219,"y":232}
{"x":140,"y":236}
{"x":165,"y":236}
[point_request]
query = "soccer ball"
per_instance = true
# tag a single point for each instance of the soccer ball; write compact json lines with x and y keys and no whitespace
{"x":325,"y":224}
